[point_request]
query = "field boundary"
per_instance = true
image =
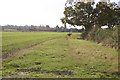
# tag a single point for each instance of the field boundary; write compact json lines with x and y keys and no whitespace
{"x":4,"y":56}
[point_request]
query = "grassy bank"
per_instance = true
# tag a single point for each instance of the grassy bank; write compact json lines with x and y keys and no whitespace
{"x":82,"y":58}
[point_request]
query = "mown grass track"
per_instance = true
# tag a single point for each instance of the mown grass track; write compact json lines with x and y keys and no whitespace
{"x":83,"y":58}
{"x":13,"y":41}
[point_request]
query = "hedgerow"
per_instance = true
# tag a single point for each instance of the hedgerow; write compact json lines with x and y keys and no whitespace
{"x":104,"y":36}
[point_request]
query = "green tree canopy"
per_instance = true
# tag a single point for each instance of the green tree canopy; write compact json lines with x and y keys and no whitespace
{"x":87,"y":15}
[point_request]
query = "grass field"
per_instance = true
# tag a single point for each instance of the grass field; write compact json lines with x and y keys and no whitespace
{"x":56,"y":56}
{"x":13,"y":41}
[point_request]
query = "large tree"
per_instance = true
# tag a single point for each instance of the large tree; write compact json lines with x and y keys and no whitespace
{"x":79,"y":14}
{"x":84,"y":14}
{"x":106,"y":14}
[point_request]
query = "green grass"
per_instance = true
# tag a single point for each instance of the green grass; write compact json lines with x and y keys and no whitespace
{"x":84,"y":58}
{"x":13,"y":41}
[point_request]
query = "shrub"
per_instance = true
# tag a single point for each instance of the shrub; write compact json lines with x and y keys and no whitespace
{"x":108,"y":37}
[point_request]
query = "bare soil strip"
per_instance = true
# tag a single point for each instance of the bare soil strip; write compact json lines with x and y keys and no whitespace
{"x":54,"y":72}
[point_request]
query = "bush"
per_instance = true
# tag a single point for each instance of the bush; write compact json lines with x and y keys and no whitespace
{"x":107,"y":37}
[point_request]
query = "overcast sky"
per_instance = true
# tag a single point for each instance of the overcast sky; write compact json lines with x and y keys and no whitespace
{"x":32,"y":12}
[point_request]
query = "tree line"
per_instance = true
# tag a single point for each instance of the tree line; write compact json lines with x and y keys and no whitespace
{"x":92,"y":17}
{"x":46,"y":28}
